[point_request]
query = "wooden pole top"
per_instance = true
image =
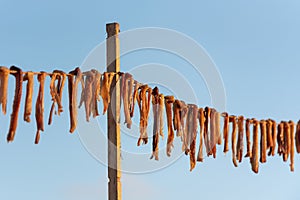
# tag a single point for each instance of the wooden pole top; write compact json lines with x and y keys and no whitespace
{"x":112,"y":29}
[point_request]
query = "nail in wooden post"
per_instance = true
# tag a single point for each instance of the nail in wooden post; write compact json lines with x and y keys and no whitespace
{"x":113,"y":115}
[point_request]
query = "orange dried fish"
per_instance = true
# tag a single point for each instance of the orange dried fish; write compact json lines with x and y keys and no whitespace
{"x":233,"y":120}
{"x":144,"y":106}
{"x":169,"y":100}
{"x":297,"y":137}
{"x":4,"y":76}
{"x":127,"y":87}
{"x":29,"y":76}
{"x":240,"y":141}
{"x":187,"y":129}
{"x":286,"y":141}
{"x":201,"y":122}
{"x":263,"y":141}
{"x":226,"y":132}
{"x":218,"y":126}
{"x":73,"y":90}
{"x":96,"y":93}
{"x":56,"y":92}
{"x":280,"y":136}
{"x":255,"y":147}
{"x":212,"y":136}
{"x":39,"y":106}
{"x":16,"y":104}
{"x":156,"y":123}
{"x":105,"y":89}
{"x":206,"y":130}
{"x":161,"y":114}
{"x":248,"y":138}
{"x":134,"y":97}
{"x":269,"y":134}
{"x":274,"y":136}
{"x":177,"y":106}
{"x":193,"y":135}
{"x":292,"y":143}
{"x":87,"y":94}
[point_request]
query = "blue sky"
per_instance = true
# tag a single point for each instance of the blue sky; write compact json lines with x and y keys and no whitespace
{"x":254,"y":44}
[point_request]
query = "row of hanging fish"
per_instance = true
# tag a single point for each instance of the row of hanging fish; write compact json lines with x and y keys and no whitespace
{"x":183,"y":118}
{"x":94,"y":86}
{"x":186,"y":118}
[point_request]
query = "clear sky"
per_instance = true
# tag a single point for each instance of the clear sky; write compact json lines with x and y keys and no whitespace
{"x":254,"y":44}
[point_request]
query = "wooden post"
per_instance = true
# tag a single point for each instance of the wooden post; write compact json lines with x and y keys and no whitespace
{"x":113,"y":115}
